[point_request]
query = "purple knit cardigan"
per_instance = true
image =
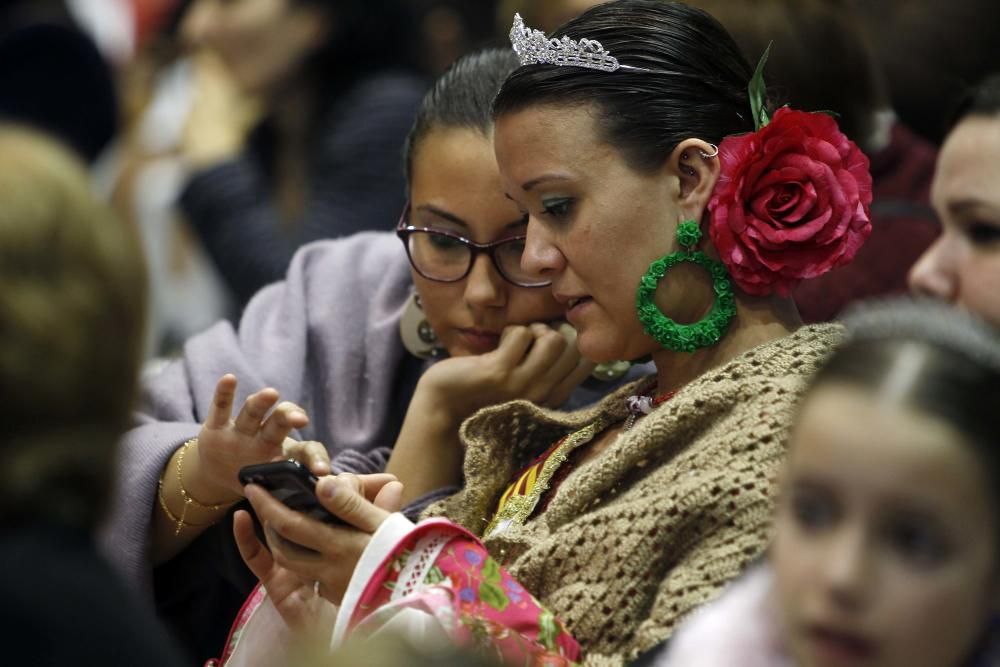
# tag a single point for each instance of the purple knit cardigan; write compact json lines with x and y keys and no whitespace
{"x":327,"y":338}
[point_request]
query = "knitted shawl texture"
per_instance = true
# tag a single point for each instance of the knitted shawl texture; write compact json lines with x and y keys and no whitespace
{"x":658,"y":523}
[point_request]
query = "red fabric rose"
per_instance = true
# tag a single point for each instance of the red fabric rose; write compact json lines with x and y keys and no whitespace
{"x":792,"y":202}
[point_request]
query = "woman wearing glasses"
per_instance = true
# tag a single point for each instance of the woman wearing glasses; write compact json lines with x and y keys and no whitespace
{"x":332,"y":341}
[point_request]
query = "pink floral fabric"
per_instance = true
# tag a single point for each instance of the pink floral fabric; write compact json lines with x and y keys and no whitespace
{"x":474,"y":599}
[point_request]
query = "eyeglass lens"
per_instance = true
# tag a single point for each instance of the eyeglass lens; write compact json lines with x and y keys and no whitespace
{"x":442,"y":257}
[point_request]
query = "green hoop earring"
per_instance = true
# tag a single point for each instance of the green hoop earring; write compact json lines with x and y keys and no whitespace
{"x":707,"y":331}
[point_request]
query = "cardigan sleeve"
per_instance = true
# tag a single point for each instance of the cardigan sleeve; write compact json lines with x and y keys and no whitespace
{"x":355,"y":183}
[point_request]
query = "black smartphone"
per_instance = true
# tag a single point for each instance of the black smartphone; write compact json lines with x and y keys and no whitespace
{"x":290,"y":483}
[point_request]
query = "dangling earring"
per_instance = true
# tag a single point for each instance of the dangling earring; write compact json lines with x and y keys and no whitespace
{"x":686,"y":337}
{"x":418,"y":337}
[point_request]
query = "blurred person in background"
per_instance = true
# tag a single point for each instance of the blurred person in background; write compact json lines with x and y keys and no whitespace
{"x":54,"y":78}
{"x":71,"y":279}
{"x":821,"y":59}
{"x":450,"y":29}
{"x":145,"y":176}
{"x":962,"y":267}
{"x":545,"y":15}
{"x":886,"y":548}
{"x":299,"y":112}
{"x":932,"y":52}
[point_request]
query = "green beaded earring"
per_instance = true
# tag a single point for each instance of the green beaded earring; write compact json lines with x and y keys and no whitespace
{"x":686,"y":337}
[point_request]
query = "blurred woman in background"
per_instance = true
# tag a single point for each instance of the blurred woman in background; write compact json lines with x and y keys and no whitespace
{"x":300,"y":110}
{"x":962,"y":266}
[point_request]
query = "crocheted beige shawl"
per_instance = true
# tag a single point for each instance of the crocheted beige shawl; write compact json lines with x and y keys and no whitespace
{"x":656,"y":525}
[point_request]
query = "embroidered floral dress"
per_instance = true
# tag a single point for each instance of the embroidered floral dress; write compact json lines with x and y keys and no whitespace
{"x":443,"y":570}
{"x":436,"y":570}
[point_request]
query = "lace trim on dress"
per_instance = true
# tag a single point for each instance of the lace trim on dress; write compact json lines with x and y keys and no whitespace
{"x":424,"y":555}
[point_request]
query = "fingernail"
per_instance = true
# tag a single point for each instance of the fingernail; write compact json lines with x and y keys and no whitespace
{"x":297,"y":414}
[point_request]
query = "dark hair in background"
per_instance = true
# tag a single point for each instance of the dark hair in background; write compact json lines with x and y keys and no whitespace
{"x":53,"y":77}
{"x":820,"y":58}
{"x":698,"y":86}
{"x":461,"y":98}
{"x":983,"y":100}
{"x":931,"y":52}
{"x":958,"y":378}
{"x":366,"y":37}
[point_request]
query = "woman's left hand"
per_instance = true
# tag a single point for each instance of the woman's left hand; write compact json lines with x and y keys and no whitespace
{"x":304,"y":550}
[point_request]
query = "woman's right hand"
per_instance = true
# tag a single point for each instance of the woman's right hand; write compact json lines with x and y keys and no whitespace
{"x":362,"y":502}
{"x":536,"y":362}
{"x":225,"y":445}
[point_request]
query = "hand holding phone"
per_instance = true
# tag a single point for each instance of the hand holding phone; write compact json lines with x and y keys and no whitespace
{"x":290,"y":483}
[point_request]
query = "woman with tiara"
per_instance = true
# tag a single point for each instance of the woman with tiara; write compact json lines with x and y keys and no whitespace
{"x":673,"y":215}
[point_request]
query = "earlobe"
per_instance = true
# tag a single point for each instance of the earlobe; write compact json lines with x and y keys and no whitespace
{"x":696,"y":163}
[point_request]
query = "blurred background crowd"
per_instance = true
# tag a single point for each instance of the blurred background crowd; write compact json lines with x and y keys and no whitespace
{"x":222,"y":135}
{"x":230,"y":132}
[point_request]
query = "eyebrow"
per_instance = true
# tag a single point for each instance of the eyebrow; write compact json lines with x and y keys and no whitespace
{"x":451,"y":217}
{"x":809,"y":481}
{"x":966,"y":206}
{"x":528,"y":185}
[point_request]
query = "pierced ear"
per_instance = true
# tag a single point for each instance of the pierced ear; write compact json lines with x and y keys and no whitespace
{"x":696,"y":163}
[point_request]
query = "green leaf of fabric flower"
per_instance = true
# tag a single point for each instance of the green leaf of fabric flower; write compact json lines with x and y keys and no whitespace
{"x":434,"y":576}
{"x":491,"y":571}
{"x":758,"y":92}
{"x":547,"y":630}
{"x":493,"y":595}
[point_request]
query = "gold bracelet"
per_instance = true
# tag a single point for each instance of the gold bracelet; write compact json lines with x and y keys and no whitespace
{"x":188,"y":499}
{"x":179,"y":520}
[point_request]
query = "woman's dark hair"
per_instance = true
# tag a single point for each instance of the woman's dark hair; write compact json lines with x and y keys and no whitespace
{"x":951,"y":362}
{"x":983,"y":100}
{"x":697,"y":86}
{"x":461,"y":98}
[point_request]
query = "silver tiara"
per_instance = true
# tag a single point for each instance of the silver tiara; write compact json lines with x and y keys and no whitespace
{"x":534,"y":48}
